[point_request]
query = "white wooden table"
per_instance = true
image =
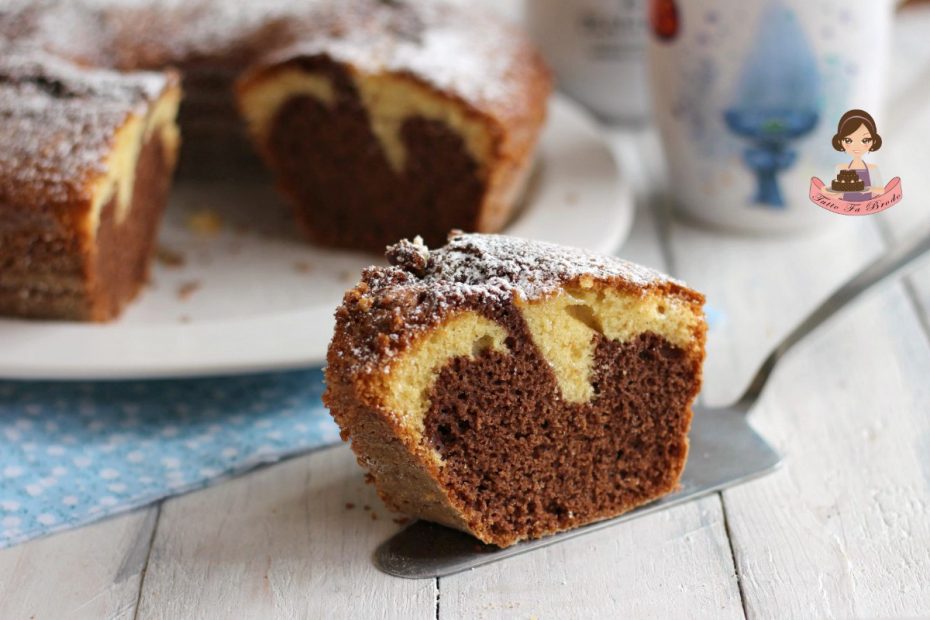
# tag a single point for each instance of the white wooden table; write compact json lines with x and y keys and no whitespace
{"x":842,"y":530}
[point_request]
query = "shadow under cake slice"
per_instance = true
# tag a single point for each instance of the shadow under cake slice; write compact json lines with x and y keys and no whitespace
{"x":513,"y":389}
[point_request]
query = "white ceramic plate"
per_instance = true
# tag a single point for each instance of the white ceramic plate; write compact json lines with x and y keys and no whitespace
{"x":252,"y":296}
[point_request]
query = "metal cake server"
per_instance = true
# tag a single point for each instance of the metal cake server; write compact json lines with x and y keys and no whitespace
{"x":724,"y":451}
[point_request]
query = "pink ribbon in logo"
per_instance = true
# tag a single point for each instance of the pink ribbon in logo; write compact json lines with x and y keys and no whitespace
{"x":877,"y":204}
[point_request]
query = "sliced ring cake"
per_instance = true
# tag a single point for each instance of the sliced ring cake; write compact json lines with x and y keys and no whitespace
{"x":512,"y":388}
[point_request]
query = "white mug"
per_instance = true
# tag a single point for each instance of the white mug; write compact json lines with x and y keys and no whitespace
{"x":747,"y":96}
{"x":597,"y":49}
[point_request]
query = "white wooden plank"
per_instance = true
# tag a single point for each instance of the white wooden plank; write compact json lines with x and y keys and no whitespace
{"x":842,"y":530}
{"x":92,"y":572}
{"x":761,"y":287}
{"x":279,"y":543}
{"x":673,"y":564}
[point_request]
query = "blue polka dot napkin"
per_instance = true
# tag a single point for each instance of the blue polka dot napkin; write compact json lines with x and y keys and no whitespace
{"x":72,"y":453}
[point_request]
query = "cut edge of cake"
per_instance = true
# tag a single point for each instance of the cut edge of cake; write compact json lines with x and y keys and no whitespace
{"x":396,"y":82}
{"x":75,"y":248}
{"x":389,"y":99}
{"x":157,"y":119}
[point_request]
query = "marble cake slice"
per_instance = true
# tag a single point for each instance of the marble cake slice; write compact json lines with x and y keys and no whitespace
{"x":512,"y":388}
{"x":85,"y":167}
{"x":395,"y":119}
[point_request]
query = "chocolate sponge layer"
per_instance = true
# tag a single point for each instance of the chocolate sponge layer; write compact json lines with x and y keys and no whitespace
{"x":523,"y":463}
{"x":344,"y":190}
{"x":51,"y":270}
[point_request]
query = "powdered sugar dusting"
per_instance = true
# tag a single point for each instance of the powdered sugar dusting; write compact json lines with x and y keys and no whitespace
{"x":461,"y":50}
{"x":145,"y":33}
{"x":527,"y":268}
{"x":468,"y":53}
{"x":474,"y":55}
{"x":57,"y":123}
{"x":484,"y":273}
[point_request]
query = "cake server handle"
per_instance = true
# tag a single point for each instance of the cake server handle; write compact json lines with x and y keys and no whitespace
{"x":903,"y":254}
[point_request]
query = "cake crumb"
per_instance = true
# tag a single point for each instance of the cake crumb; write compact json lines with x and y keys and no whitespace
{"x":187,"y":289}
{"x":374,"y":516}
{"x":169,"y":258}
{"x":303,"y":266}
{"x":366,"y":507}
{"x":412,"y":256}
{"x":205,"y":222}
{"x":349,"y":505}
{"x":401,"y":520}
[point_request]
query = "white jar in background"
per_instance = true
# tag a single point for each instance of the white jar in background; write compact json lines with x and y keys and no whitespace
{"x":747,"y":97}
{"x":597,"y":51}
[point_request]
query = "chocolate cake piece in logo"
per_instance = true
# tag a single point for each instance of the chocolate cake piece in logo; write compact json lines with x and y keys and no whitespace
{"x":847,"y":181}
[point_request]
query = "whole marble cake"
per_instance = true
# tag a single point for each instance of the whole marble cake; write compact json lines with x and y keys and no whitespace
{"x":379,"y":119}
{"x":512,"y":388}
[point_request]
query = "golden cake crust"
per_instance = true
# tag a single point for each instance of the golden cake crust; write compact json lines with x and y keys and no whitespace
{"x":61,"y":123}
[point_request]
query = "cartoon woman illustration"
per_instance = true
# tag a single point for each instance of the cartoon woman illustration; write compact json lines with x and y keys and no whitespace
{"x":857,"y":135}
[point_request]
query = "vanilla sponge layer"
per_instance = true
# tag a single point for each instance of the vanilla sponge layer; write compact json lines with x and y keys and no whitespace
{"x":390,"y":99}
{"x":405,"y":389}
{"x":563,"y":328}
{"x":120,"y":167}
